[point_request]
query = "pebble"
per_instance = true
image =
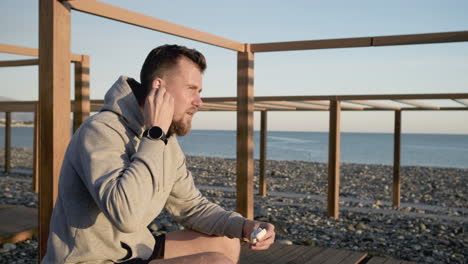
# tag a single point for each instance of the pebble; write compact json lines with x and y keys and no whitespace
{"x":284,"y":242}
{"x":9,"y":247}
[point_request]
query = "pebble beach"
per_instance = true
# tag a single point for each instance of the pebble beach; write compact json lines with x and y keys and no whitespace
{"x":429,"y":227}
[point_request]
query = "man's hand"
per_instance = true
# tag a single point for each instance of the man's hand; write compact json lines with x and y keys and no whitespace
{"x":159,"y":109}
{"x":266,"y":241}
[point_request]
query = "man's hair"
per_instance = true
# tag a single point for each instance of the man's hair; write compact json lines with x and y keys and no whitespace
{"x":160,"y":60}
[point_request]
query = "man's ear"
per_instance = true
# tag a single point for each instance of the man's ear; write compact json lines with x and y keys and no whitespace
{"x":156,"y":83}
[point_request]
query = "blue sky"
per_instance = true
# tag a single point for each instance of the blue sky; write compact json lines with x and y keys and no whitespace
{"x":119,"y":49}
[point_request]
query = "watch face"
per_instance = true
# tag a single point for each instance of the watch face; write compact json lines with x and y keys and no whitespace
{"x":155,"y":132}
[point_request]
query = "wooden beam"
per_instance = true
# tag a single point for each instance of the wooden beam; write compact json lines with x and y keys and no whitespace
{"x":334,"y":160}
{"x":256,"y":108}
{"x":19,"y":50}
{"x":428,"y":38}
{"x":245,"y":147}
{"x":312,"y":44}
{"x":299,"y":105}
{"x":317,"y":102}
{"x":7,"y":142}
{"x":271,"y":106}
{"x":82,"y":105}
{"x":133,"y":18}
{"x":263,"y":153}
{"x":417,"y":104}
{"x":54,"y":97}
{"x":396,"y":159}
{"x":36,"y":151}
{"x":17,"y":106}
{"x":358,"y":97}
{"x":219,"y":106}
{"x":14,"y":63}
{"x":373,"y":104}
{"x":462,"y":102}
{"x":327,"y":103}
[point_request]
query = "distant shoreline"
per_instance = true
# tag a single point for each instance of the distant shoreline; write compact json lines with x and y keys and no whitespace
{"x":18,"y":125}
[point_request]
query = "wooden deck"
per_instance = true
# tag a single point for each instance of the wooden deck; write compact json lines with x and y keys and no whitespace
{"x":17,"y":223}
{"x":295,"y":254}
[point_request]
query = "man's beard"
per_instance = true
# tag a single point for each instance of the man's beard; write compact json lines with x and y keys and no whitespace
{"x":179,"y":127}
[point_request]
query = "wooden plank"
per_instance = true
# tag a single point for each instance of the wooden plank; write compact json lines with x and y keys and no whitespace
{"x":326,"y":103}
{"x":262,"y":256}
{"x":344,"y":97}
{"x":339,"y":256}
{"x":309,"y":252}
{"x":334,"y":160}
{"x":19,"y":50}
{"x":376,"y":260}
{"x":289,"y":255}
{"x":7,"y":142}
{"x":373,"y":104}
{"x":322,"y":256}
{"x":271,"y":106}
{"x":245,"y":147}
{"x":354,"y":257}
{"x":17,"y":106}
{"x":234,"y":106}
{"x":392,"y":261}
{"x":54,"y":97}
{"x":358,"y":97}
{"x":82,"y":105}
{"x":428,"y":38}
{"x":396,"y":159}
{"x":36,"y":146}
{"x":312,"y":44}
{"x":298,"y":105}
{"x":133,"y":18}
{"x":14,"y":63}
{"x":263,"y":153}
{"x":17,"y":223}
{"x":462,"y":102}
{"x":219,"y":106}
{"x":417,"y":104}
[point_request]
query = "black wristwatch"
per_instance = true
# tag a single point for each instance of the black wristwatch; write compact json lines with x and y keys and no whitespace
{"x":155,"y":133}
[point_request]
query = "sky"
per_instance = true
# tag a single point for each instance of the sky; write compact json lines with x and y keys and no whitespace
{"x":119,"y":49}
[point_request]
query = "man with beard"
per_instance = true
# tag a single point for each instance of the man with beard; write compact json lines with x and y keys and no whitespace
{"x":124,"y":165}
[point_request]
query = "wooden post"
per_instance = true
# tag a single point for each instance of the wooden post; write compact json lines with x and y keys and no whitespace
{"x":54,"y":105}
{"x":263,"y":138}
{"x":7,"y":142}
{"x":334,"y":160}
{"x":36,"y":147}
{"x":245,"y":105}
{"x":82,"y":105}
{"x":396,"y":159}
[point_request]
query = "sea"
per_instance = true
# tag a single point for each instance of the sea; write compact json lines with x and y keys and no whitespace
{"x":429,"y":150}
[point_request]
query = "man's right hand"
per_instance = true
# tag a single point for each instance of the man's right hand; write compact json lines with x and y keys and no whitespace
{"x":159,"y":109}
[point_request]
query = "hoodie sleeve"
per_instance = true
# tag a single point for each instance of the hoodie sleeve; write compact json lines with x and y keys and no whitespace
{"x":121,"y":186}
{"x":190,"y":208}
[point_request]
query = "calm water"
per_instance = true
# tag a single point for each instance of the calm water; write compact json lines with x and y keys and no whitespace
{"x":366,"y":148}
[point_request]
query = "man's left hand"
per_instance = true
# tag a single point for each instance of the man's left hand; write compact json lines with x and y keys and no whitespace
{"x":266,"y":241}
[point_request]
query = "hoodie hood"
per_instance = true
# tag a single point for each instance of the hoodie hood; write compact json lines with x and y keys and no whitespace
{"x":121,"y":100}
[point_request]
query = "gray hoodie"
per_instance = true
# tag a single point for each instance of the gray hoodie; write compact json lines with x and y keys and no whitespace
{"x":113,"y":184}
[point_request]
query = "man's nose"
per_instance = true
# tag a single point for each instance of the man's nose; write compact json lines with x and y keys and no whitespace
{"x":198,"y":102}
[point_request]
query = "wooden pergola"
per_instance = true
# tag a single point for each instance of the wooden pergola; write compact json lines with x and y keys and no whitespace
{"x":54,"y":95}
